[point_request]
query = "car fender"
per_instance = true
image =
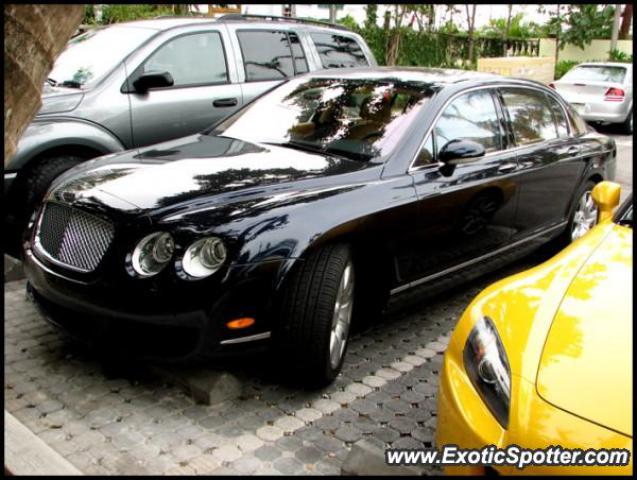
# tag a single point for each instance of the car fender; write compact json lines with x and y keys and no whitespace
{"x":53,"y":133}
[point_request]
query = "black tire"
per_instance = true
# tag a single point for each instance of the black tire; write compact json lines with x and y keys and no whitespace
{"x":565,"y":237}
{"x":30,"y":192}
{"x":627,"y":125}
{"x":302,"y":336}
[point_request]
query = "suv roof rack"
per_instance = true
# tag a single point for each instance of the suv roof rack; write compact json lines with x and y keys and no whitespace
{"x":247,"y":17}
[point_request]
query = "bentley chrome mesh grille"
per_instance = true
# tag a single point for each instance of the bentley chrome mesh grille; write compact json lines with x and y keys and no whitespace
{"x":72,"y":237}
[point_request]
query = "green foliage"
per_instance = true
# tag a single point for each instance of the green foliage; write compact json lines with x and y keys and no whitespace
{"x":579,"y":24}
{"x":349,"y":22}
{"x":114,"y":13}
{"x":517,"y":29}
{"x":562,"y":67}
{"x":619,"y":56}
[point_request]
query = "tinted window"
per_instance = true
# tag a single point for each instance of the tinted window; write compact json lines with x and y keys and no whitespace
{"x":560,"y":118}
{"x":266,"y":55}
{"x":191,"y":59}
{"x":426,"y":155}
{"x":337,"y":51}
{"x":300,"y":64}
{"x":351,"y":117}
{"x":596,"y":73}
{"x":530,"y":114}
{"x":472,"y":116}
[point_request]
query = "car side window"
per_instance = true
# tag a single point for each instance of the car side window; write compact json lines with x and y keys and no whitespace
{"x":560,"y":118}
{"x":472,"y":116}
{"x":530,"y":115}
{"x":179,"y":56}
{"x":426,"y":154}
{"x":337,"y":51}
{"x":579,"y":125}
{"x":300,"y":63}
{"x":267,"y":55}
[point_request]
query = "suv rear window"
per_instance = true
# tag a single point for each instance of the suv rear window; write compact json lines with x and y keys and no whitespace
{"x":596,"y":73}
{"x":337,"y":51}
{"x":267,"y":55}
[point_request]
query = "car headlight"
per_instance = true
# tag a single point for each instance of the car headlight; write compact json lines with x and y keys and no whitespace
{"x":488,"y":368}
{"x":152,"y":253}
{"x":204,"y":257}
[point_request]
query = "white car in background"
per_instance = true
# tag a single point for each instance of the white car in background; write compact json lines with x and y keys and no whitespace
{"x":600,"y":92}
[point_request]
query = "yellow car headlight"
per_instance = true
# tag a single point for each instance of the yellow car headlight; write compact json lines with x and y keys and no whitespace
{"x":488,"y":368}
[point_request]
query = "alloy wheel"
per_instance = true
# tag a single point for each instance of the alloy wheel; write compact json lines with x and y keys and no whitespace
{"x":585,"y":216}
{"x":342,"y":317}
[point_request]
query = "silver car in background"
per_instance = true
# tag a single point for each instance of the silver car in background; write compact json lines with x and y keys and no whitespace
{"x":600,"y":92}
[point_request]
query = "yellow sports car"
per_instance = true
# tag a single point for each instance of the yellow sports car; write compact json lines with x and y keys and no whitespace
{"x":544,"y":358}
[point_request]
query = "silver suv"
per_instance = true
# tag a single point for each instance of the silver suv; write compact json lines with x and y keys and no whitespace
{"x":139,"y":83}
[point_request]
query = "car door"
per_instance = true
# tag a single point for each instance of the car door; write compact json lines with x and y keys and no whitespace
{"x":548,"y":158}
{"x":201,"y":95}
{"x":267,"y":58}
{"x":468,"y":210}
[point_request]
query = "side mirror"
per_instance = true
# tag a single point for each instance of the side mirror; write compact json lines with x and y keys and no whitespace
{"x":150,"y":80}
{"x":460,"y":151}
{"x":606,"y":196}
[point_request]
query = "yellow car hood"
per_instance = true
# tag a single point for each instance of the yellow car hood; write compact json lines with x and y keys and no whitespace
{"x":586,"y":363}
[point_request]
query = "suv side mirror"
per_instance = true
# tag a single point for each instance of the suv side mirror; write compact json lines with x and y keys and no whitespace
{"x":150,"y":80}
{"x":606,"y":196}
{"x":459,"y":151}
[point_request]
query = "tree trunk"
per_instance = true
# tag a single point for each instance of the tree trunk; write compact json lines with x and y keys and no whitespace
{"x":332,"y":13}
{"x":615,"y":31}
{"x":471,"y":18}
{"x":626,"y":20}
{"x":557,"y":34}
{"x":34,"y":35}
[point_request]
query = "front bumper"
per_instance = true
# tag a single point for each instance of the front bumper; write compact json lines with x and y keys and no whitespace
{"x":465,"y":421}
{"x":181,"y":321}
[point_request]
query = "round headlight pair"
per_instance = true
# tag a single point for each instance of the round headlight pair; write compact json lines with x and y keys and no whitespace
{"x":153,"y":253}
{"x":204,"y":257}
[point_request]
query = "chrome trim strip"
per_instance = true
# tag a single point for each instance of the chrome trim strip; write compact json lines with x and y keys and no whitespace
{"x":251,"y":338}
{"x":460,"y":266}
{"x":496,"y":86}
{"x":10,"y":176}
{"x":36,"y":260}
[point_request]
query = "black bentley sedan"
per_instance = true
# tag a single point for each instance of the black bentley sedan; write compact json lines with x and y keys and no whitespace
{"x":309,"y":207}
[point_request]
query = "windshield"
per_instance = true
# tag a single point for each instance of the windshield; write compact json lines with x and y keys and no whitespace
{"x":354,"y":118}
{"x":597,"y":73}
{"x":91,"y":55}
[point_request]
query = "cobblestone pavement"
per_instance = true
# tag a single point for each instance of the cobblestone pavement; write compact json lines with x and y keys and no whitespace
{"x":108,"y":419}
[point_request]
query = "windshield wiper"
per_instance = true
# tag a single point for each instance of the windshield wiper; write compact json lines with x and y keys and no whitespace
{"x":65,"y":83}
{"x":310,"y":147}
{"x":52,"y":82}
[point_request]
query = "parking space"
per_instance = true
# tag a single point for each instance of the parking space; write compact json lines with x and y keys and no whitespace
{"x":110,"y":417}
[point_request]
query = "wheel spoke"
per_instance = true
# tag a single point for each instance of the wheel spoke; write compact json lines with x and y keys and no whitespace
{"x":342,"y":316}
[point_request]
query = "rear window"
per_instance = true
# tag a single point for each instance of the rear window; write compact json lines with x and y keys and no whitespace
{"x":337,"y":51}
{"x":597,"y":73}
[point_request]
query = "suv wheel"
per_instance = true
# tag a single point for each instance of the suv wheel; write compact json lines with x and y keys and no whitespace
{"x":316,"y":315}
{"x":30,"y":193}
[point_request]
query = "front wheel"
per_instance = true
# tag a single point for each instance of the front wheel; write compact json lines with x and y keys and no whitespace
{"x":316,"y":314}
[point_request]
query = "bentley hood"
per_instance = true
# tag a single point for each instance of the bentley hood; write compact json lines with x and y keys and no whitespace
{"x":586,"y":364}
{"x":177,"y":172}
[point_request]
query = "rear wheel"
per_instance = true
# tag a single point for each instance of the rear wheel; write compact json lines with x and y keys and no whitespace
{"x":627,"y":125}
{"x":29,"y":194}
{"x":316,"y":314}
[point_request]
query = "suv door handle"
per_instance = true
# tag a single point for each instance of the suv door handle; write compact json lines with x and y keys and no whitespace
{"x":507,"y":167}
{"x":225,"y":102}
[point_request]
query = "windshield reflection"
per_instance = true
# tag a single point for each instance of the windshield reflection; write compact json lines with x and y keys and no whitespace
{"x":354,"y":118}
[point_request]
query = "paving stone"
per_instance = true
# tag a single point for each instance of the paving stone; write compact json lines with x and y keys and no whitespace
{"x":246,"y":465}
{"x":374,"y":381}
{"x":288,"y":466}
{"x":388,"y":373}
{"x":436,"y":347}
{"x":268,"y":453}
{"x":325,"y":406}
{"x":386,"y":434}
{"x":348,"y":433}
{"x":269,"y":433}
{"x":365,"y":424}
{"x":398,"y":406}
{"x":185,"y":452}
{"x":359,"y":389}
{"x":344,"y":398}
{"x":407,"y":443}
{"x":309,"y":454}
{"x":288,"y":423}
{"x":364,"y":406}
{"x":248,"y":442}
{"x":289,"y":444}
{"x":209,"y":441}
{"x":308,"y":415}
{"x":426,"y":353}
{"x":204,"y":464}
{"x":423,"y":434}
{"x":227,"y":453}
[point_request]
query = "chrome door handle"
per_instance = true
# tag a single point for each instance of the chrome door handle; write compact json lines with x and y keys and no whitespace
{"x":573,"y":151}
{"x":507,"y":167}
